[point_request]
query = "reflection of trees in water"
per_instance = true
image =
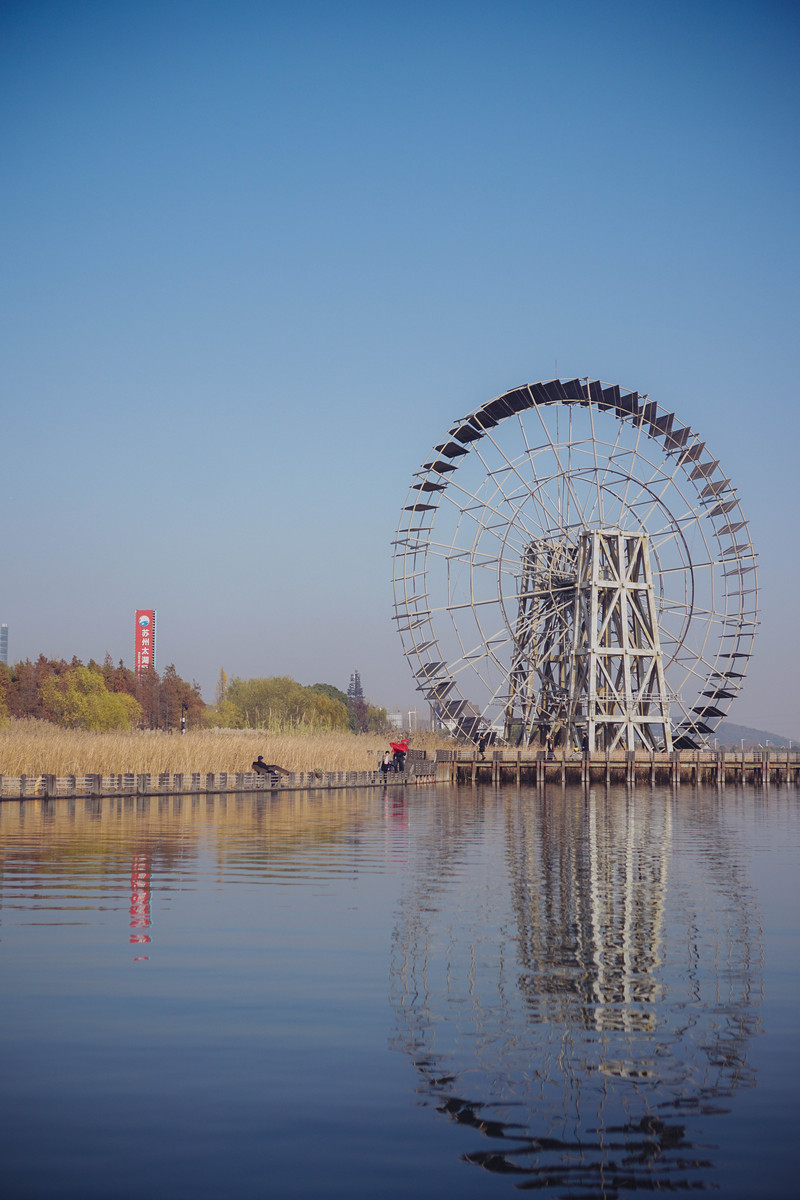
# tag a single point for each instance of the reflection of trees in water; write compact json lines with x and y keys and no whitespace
{"x":97,"y":836}
{"x":577,"y":979}
{"x":124,"y":854}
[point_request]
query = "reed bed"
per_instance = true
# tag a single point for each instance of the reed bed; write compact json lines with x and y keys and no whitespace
{"x":38,"y":747}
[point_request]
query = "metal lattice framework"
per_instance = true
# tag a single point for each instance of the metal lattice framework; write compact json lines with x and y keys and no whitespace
{"x":573,"y":561}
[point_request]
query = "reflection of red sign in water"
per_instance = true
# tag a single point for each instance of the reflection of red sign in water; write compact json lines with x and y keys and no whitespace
{"x":145,"y":640}
{"x":140,"y":900}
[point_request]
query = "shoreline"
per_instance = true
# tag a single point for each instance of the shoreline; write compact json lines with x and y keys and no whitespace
{"x":452,"y":767}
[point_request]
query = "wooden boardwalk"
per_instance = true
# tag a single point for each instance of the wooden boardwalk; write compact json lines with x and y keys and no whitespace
{"x":73,"y":787}
{"x":681,"y":767}
{"x":451,"y":767}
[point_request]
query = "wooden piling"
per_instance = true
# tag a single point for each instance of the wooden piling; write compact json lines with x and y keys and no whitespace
{"x":762,"y":768}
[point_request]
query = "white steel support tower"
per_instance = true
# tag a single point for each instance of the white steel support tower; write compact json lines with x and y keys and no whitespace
{"x":587,"y":654}
{"x":617,"y":691}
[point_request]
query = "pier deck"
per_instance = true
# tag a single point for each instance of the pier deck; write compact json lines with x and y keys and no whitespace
{"x":686,"y":766}
{"x":458,"y":766}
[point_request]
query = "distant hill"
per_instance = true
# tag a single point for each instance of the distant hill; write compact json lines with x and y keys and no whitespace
{"x":728,"y":734}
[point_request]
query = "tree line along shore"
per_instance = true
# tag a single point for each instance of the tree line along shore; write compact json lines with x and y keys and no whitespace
{"x":107,"y":698}
{"x":64,"y":718}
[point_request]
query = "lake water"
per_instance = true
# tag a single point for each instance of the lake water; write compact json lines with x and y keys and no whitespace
{"x":428,"y":992}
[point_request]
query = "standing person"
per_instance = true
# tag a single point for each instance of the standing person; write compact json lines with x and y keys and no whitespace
{"x":550,"y":749}
{"x":585,"y":743}
{"x":386,"y":764}
{"x":482,"y":747}
{"x":399,"y":751}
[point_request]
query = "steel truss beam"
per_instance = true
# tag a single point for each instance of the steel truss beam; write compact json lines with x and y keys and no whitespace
{"x":539,"y":678}
{"x":618,"y":695}
{"x":587,"y":659}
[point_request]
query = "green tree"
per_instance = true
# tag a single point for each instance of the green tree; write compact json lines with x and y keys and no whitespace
{"x":78,"y":699}
{"x":334,"y":693}
{"x":326,"y":710}
{"x":280,"y":701}
{"x":376,"y":720}
{"x":224,"y":715}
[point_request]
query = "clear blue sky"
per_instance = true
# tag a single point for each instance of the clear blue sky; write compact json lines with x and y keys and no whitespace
{"x":257,"y":257}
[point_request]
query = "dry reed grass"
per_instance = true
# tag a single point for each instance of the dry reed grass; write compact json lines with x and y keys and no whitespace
{"x":39,"y":747}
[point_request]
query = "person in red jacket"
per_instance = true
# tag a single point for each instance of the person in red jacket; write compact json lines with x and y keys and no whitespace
{"x":399,"y":752}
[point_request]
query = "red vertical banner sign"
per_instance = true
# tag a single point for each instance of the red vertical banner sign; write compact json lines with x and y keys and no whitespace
{"x":145,"y":644}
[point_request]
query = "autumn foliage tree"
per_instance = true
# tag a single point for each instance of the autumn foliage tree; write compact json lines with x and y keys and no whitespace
{"x":5,"y":684}
{"x":98,"y":698}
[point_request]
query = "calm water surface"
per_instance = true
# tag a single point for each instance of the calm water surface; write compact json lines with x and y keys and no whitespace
{"x":436,"y":992}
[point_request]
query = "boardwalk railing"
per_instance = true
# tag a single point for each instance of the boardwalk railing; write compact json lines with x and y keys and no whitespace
{"x":23,"y":787}
{"x":457,"y":766}
{"x":688,"y":766}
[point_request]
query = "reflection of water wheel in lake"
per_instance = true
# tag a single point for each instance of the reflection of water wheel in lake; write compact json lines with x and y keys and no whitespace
{"x":579,"y":993}
{"x":571,"y":559}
